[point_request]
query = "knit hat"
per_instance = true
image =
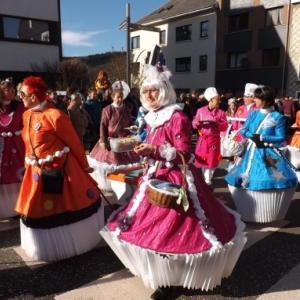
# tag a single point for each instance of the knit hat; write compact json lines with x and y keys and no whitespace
{"x":249,"y":89}
{"x":210,"y":93}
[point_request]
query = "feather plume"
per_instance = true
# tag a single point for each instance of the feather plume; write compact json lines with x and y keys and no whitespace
{"x":161,"y":73}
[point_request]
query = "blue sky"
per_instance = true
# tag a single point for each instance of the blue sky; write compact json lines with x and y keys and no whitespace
{"x":92,"y":26}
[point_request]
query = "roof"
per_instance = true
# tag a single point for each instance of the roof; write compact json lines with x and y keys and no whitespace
{"x":176,"y":8}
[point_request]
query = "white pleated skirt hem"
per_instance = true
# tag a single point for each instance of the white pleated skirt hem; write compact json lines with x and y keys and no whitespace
{"x":102,"y":169}
{"x":293,"y":155}
{"x":8,"y":198}
{"x":262,"y":206}
{"x":62,"y":242}
{"x":204,"y":270}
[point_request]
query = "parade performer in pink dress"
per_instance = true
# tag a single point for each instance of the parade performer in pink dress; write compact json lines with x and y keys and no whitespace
{"x":12,"y":149}
{"x":210,"y":121}
{"x":114,"y":121}
{"x":195,"y":241}
{"x":244,"y":110}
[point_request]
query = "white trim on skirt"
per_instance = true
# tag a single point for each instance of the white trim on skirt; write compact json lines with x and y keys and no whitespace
{"x":262,"y":206}
{"x":101,"y":169}
{"x":64,"y":241}
{"x":203,"y":270}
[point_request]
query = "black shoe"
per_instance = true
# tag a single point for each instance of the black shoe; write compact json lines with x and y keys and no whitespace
{"x":162,"y":293}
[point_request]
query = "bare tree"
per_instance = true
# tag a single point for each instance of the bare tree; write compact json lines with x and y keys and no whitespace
{"x":48,"y":70}
{"x":74,"y":74}
{"x":115,"y":67}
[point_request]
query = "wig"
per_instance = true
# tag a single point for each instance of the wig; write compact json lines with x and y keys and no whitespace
{"x":36,"y":86}
{"x":158,"y":77}
{"x":102,"y":75}
{"x":102,"y":83}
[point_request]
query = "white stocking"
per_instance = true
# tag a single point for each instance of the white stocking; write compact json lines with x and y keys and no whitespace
{"x":208,"y":174}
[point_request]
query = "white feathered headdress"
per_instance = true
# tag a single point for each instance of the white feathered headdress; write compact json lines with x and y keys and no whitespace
{"x":123,"y":86}
{"x":158,"y":72}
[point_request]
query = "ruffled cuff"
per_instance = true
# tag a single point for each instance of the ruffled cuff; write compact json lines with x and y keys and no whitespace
{"x":167,"y":151}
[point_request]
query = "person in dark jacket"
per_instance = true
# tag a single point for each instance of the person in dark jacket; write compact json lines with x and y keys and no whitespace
{"x":224,"y":100}
{"x":94,"y":108}
{"x":55,"y":101}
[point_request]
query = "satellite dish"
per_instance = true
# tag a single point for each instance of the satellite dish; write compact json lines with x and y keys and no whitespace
{"x":244,"y":63}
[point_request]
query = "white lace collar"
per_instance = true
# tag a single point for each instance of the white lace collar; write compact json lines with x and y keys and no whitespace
{"x":40,"y":106}
{"x":266,"y":110}
{"x":157,"y":118}
{"x":116,"y":106}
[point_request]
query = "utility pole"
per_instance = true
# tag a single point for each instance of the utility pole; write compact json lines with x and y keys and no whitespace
{"x":128,"y":78}
{"x":128,"y":25}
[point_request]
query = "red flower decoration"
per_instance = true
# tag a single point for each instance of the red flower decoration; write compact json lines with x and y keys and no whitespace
{"x":204,"y":158}
{"x":240,"y":111}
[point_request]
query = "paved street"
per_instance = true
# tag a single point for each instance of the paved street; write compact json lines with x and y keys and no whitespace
{"x":269,"y":267}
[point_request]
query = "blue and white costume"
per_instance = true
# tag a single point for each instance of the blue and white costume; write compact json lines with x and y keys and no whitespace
{"x":263,"y":168}
{"x":262,"y":182}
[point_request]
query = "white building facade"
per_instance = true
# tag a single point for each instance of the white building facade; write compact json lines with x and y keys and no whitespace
{"x":187,"y":39}
{"x":293,"y":75}
{"x":30,"y":33}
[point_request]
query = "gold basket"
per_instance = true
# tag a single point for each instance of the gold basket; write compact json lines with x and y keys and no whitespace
{"x":163,"y":198}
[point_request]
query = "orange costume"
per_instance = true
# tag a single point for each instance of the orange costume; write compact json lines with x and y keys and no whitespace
{"x":295,"y":141}
{"x":56,"y":226}
{"x":292,"y":149}
{"x":102,"y":83}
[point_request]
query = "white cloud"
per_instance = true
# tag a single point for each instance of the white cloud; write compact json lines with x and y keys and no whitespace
{"x":85,"y":39}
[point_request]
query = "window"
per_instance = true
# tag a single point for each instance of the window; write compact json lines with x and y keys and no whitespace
{"x":238,"y":22}
{"x":203,"y":63}
{"x":184,"y":33}
{"x":162,"y":37}
{"x":204,"y":29}
{"x":271,"y":57}
{"x":235,"y":59}
{"x":274,"y":16}
{"x":135,"y":42}
{"x":25,"y":29}
{"x":45,"y":36}
{"x":183,"y":64}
